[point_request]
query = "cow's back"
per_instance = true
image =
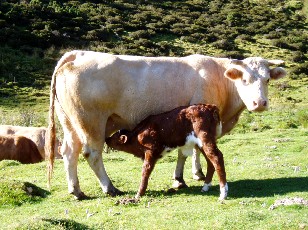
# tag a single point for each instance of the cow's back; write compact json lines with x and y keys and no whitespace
{"x":19,"y":148}
{"x":128,"y":89}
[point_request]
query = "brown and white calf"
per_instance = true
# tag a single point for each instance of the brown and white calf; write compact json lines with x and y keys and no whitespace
{"x":19,"y":148}
{"x":184,"y":127}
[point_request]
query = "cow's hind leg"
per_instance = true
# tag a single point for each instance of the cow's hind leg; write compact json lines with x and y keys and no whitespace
{"x":93,"y":154}
{"x":196,"y":165}
{"x":179,"y":171}
{"x":70,"y":150}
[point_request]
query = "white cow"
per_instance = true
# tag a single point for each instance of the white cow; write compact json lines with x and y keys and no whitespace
{"x":95,"y":94}
{"x":36,"y":134}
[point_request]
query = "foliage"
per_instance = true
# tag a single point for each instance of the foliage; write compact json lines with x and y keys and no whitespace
{"x":33,"y":34}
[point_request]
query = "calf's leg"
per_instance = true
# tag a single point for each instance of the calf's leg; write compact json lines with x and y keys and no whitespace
{"x":215,"y":156}
{"x":147,"y":168}
{"x":179,"y":170}
{"x":209,"y":175}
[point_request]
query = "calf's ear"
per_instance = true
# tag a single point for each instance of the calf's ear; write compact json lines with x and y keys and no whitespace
{"x":277,"y":73}
{"x":233,"y":73}
{"x":123,"y":139}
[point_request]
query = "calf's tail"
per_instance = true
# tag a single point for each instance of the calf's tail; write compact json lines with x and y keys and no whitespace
{"x":50,"y":138}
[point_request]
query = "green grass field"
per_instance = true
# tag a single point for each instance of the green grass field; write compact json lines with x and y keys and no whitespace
{"x":262,"y":167}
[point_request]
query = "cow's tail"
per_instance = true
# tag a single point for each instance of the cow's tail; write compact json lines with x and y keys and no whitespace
{"x":50,"y":137}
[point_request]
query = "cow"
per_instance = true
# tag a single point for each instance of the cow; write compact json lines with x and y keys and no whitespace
{"x":19,"y":148}
{"x":95,"y":94}
{"x":185,"y":127}
{"x":36,"y":134}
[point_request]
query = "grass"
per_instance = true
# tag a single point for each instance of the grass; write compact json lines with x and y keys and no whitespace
{"x":261,"y":167}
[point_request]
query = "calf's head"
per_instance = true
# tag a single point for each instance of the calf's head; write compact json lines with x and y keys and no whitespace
{"x":119,"y":141}
{"x":251,"y":77}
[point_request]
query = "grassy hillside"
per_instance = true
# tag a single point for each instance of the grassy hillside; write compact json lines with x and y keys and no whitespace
{"x":265,"y":155}
{"x":34,"y":34}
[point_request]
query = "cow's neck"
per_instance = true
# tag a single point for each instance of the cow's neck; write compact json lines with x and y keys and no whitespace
{"x":232,"y":109}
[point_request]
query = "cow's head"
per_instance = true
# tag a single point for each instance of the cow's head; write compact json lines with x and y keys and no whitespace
{"x":251,"y":77}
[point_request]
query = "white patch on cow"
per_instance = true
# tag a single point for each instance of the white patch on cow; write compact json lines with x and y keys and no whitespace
{"x":206,"y":187}
{"x":218,"y":130}
{"x":223,"y":192}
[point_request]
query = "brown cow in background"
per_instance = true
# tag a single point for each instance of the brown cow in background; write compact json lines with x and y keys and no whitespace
{"x":20,"y":149}
{"x":36,"y":134}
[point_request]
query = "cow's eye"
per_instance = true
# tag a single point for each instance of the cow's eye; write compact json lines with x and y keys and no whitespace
{"x":267,"y":81}
{"x":245,"y":82}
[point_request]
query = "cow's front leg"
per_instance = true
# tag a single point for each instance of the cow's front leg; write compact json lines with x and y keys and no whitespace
{"x":94,"y":157}
{"x":147,"y":168}
{"x":215,"y":156}
{"x":196,"y":165}
{"x":179,"y":171}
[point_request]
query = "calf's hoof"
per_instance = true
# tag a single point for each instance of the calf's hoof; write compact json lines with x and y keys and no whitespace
{"x":223,"y":192}
{"x":206,"y":187}
{"x":115,"y":192}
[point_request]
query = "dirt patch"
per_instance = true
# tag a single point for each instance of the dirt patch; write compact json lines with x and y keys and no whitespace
{"x":289,"y":201}
{"x":127,"y":200}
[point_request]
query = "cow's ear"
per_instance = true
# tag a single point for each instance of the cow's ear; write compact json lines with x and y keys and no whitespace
{"x":277,"y":73}
{"x":233,"y":73}
{"x":275,"y":62}
{"x":123,"y":139}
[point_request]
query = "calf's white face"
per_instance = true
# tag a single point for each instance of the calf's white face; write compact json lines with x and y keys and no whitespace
{"x":251,"y":77}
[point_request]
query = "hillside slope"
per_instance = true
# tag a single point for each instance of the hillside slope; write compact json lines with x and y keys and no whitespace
{"x":34,"y":34}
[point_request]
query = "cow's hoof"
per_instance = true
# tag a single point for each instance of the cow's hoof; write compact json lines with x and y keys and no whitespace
{"x":199,"y":176}
{"x":81,"y":196}
{"x":115,"y":192}
{"x":179,"y":184}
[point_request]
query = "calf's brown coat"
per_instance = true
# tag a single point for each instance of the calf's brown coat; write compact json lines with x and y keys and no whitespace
{"x":195,"y":125}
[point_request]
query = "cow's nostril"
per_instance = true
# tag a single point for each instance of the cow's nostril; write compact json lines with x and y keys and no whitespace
{"x":264,"y":103}
{"x":255,"y":103}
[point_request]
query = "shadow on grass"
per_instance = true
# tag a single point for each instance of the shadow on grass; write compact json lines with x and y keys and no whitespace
{"x":267,"y":187}
{"x":66,"y":224}
{"x":246,"y":188}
